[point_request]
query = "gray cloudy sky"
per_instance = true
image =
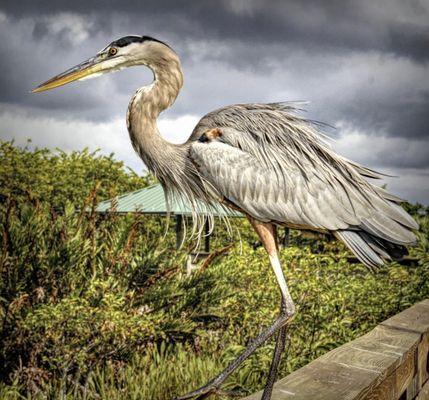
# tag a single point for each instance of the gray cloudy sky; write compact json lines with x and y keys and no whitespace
{"x":363,"y":65}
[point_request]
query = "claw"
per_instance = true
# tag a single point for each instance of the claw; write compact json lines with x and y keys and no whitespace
{"x":205,"y":392}
{"x":229,"y":393}
{"x":201,"y":393}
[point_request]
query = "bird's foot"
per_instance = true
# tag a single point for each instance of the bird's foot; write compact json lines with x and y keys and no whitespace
{"x":207,"y":390}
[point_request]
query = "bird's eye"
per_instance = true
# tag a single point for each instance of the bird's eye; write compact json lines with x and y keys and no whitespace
{"x":112,"y":51}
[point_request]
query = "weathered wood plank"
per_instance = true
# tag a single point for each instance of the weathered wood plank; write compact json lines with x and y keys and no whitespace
{"x":386,"y":363}
{"x":321,"y":381}
{"x":395,"y":384}
{"x":412,"y":389}
{"x":415,"y":318}
{"x":384,"y":350}
{"x":424,"y":392}
{"x":404,"y":374}
{"x":422,"y":361}
{"x":353,"y":370}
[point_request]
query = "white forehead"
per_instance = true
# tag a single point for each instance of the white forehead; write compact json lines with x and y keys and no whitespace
{"x":130,"y":48}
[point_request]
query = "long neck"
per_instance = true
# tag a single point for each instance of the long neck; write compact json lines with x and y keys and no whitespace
{"x":169,"y":162}
{"x":159,"y":155}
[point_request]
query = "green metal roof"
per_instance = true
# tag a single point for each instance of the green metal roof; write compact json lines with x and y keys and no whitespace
{"x":151,"y":200}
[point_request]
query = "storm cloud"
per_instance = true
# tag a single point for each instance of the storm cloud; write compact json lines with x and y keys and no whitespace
{"x":364,"y":67}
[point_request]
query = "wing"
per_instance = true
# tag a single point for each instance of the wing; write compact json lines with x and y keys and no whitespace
{"x":275,"y":166}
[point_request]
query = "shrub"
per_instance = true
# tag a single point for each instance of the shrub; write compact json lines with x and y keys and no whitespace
{"x":99,"y":307}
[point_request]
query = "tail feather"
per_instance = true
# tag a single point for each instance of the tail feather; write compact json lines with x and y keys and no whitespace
{"x":393,"y":251}
{"x":385,"y":228}
{"x":360,"y":248}
{"x":386,"y":208}
{"x":369,"y":249}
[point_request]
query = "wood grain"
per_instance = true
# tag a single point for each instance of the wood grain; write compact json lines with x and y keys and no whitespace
{"x":424,"y":393}
{"x":423,"y":362}
{"x":415,"y":319}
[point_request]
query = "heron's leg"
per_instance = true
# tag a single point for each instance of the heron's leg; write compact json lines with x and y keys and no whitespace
{"x":280,"y":345}
{"x":267,"y":234}
{"x":214,"y":385}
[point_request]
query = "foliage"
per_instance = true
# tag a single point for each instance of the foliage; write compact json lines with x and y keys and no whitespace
{"x":59,"y":177}
{"x":99,"y":307}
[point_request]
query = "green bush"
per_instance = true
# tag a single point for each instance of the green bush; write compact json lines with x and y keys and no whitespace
{"x":99,"y":307}
{"x":56,"y":177}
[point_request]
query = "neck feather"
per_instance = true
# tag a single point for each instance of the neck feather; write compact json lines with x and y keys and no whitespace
{"x":169,"y":162}
{"x":144,"y":109}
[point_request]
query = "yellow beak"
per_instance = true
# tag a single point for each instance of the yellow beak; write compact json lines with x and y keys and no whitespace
{"x":89,"y":67}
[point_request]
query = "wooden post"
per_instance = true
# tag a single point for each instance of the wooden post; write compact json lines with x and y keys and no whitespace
{"x":286,"y":239}
{"x":206,"y":237}
{"x":179,"y":230}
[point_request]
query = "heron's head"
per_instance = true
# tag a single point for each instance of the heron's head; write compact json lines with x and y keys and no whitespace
{"x":124,"y":52}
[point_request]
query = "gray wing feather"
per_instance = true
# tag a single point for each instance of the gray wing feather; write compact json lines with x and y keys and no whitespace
{"x":277,"y":167}
{"x":259,"y":191}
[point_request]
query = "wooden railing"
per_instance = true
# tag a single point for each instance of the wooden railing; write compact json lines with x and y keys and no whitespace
{"x":389,"y":363}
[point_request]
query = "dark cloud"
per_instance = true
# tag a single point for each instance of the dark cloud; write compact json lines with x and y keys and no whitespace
{"x":365,"y":63}
{"x":364,"y":25}
{"x":409,"y":40}
{"x":394,"y":116}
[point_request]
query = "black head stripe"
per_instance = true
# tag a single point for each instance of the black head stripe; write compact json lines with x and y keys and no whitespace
{"x":151,"y":39}
{"x":126,"y":40}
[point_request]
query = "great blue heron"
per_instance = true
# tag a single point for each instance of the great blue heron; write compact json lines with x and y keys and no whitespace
{"x":262,"y":159}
